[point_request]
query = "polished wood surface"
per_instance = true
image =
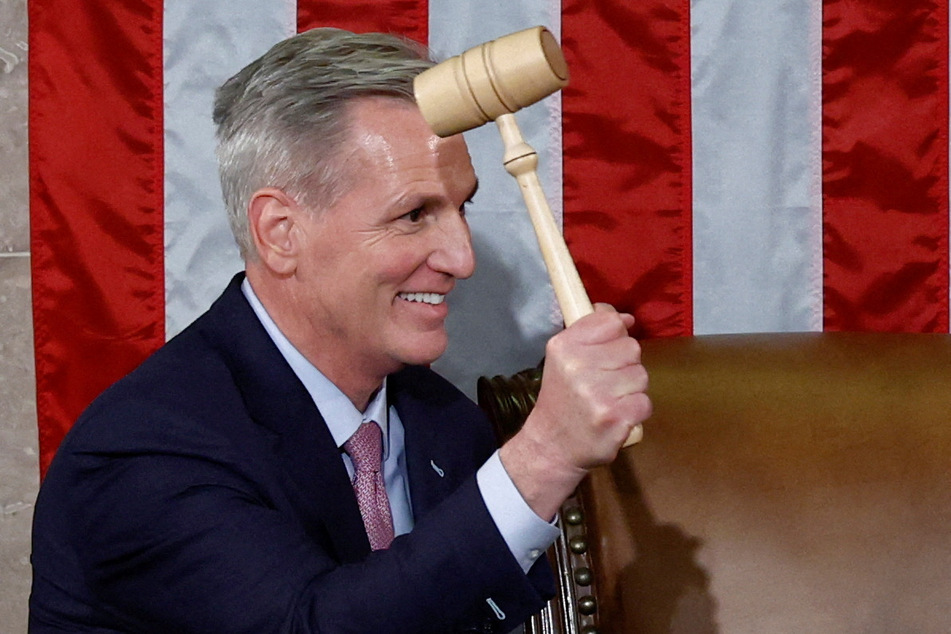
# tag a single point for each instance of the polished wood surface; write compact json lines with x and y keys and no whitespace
{"x":786,"y":483}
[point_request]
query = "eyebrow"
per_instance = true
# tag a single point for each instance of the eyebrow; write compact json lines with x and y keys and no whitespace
{"x":425,"y":199}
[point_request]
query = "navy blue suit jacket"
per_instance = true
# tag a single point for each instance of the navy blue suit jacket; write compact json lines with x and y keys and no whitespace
{"x":204,"y":493}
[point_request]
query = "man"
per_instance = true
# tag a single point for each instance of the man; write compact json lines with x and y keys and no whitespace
{"x":219,"y":487}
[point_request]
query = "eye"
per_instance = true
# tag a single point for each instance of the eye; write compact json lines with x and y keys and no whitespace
{"x":414,"y":215}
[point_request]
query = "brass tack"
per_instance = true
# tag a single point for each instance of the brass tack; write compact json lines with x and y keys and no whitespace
{"x":583,"y":576}
{"x":578,"y":545}
{"x":587,"y":605}
{"x":574,"y":516}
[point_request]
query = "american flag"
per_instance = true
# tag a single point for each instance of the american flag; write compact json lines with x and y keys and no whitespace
{"x":719,"y":166}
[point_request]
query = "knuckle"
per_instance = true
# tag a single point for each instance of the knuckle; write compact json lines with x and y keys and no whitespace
{"x":555,"y":346}
{"x":634,"y":346}
{"x":630,"y":350}
{"x":641,"y":377}
{"x":643,"y":406}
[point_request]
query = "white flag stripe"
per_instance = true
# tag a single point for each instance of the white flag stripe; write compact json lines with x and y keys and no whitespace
{"x":756,"y":99}
{"x":204,"y":44}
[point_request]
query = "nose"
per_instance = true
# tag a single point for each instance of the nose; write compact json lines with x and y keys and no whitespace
{"x":453,"y":254}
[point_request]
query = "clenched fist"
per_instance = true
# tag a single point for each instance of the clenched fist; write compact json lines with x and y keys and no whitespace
{"x":592,"y":396}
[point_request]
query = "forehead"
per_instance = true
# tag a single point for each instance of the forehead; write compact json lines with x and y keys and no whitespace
{"x":391,"y":145}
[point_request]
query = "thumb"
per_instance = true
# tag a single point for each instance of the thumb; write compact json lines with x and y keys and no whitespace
{"x":626,"y":318}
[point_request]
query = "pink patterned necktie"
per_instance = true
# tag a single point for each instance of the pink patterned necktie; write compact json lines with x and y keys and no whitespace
{"x":365,"y":448}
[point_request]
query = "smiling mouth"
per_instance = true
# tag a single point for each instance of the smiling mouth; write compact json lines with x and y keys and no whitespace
{"x":433,"y":299}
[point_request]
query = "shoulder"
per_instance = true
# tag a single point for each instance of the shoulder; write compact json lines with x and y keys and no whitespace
{"x":193,"y":380}
{"x":180,"y":375}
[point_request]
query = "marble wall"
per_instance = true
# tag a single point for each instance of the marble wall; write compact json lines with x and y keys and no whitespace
{"x":18,"y":451}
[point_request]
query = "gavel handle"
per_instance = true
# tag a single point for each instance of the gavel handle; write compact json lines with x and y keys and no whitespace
{"x":521,"y":161}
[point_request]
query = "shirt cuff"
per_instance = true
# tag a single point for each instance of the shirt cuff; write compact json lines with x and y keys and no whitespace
{"x":527,"y":535}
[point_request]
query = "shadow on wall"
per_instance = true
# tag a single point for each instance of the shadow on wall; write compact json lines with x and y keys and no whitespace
{"x":664,"y":589}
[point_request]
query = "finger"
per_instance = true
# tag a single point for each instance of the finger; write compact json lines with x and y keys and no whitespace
{"x":603,"y":307}
{"x":627,"y":318}
{"x":603,"y":325}
{"x":608,"y":309}
{"x":619,"y":354}
{"x":636,"y":380}
{"x":638,"y":408}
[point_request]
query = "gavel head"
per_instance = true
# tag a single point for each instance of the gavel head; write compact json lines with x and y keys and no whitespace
{"x":489,"y":80}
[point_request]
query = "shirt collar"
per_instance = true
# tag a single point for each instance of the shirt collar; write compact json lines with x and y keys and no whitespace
{"x":340,"y":414}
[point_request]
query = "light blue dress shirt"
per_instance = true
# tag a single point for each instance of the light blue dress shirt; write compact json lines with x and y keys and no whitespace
{"x":526,"y":534}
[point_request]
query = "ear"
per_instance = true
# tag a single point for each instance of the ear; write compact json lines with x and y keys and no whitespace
{"x":271,"y":218}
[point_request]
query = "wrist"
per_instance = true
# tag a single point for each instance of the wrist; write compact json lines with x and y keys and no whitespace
{"x":542,"y":476}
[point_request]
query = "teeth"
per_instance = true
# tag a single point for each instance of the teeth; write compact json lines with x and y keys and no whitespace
{"x":425,"y":298}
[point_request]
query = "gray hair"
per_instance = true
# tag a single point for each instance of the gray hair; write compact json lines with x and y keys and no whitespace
{"x":282,"y":120}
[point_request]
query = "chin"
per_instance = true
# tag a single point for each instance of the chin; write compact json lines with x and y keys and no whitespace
{"x":425,"y":350}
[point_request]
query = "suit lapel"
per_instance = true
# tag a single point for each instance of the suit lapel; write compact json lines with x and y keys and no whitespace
{"x":433,"y":466}
{"x":277,"y":400}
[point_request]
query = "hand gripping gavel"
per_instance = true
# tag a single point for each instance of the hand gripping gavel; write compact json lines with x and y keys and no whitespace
{"x":490,"y":82}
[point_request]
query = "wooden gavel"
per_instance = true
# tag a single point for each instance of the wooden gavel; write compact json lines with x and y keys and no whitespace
{"x":491,"y":82}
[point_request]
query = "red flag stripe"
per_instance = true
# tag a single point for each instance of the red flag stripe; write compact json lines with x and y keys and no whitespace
{"x":405,"y":17}
{"x":885,"y":166}
{"x":627,"y":176}
{"x":96,"y":194}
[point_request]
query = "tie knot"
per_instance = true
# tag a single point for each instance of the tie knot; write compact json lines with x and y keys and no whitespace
{"x":365,"y":447}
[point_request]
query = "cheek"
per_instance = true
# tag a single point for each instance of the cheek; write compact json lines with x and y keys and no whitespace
{"x":395,"y":266}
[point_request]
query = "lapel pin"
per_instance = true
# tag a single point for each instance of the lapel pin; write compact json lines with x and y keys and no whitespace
{"x":442,"y":474}
{"x":499,"y":614}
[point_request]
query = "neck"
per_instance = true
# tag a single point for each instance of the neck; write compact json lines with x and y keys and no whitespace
{"x":356,"y":378}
